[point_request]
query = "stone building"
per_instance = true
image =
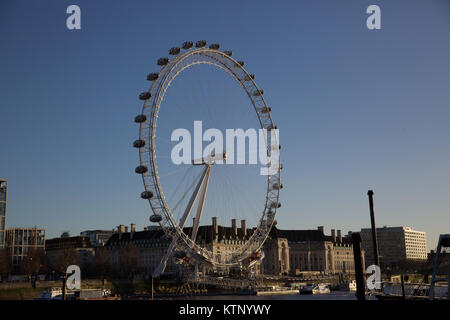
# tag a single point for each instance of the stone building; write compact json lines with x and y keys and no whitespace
{"x":152,"y":244}
{"x":298,"y":251}
{"x":276,"y":257}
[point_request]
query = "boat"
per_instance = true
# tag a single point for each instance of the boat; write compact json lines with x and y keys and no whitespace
{"x":56,"y":293}
{"x":321,"y":288}
{"x":51,"y":294}
{"x":307,"y":289}
{"x":349,"y":285}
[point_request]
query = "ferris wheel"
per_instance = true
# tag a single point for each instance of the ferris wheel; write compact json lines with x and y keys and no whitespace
{"x":184,"y":244}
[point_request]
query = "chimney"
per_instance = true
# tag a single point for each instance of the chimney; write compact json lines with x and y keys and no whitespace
{"x":333,"y":235}
{"x":215,"y":226}
{"x":244,"y":228}
{"x":133,"y":229}
{"x":126,"y":229}
{"x":234,"y":226}
{"x":339,"y":235}
{"x":120,"y":231}
{"x":320,"y":228}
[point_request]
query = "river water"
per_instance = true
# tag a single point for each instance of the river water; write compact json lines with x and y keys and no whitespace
{"x":331,"y":296}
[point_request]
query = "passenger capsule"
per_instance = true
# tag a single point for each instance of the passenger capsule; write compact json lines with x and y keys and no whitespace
{"x":141,"y":169}
{"x":139,"y":143}
{"x":163,"y":61}
{"x":275,"y":205}
{"x":174,"y":51}
{"x":272,"y":127}
{"x":152,"y":76}
{"x":215,"y":46}
{"x":147,"y":195}
{"x":249,"y":77}
{"x":145,"y":95}
{"x":258,"y":93}
{"x":266,"y":110}
{"x":241,"y":63}
{"x":200,"y":43}
{"x":187,"y":45}
{"x":155,"y":218}
{"x":140,"y":118}
{"x":228,"y":53}
{"x":277,"y":186}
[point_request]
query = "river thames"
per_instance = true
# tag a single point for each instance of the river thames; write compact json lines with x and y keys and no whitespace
{"x":331,"y":296}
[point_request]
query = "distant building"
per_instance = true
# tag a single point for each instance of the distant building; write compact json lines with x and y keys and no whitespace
{"x":395,"y":244}
{"x":98,"y":238}
{"x":306,"y":251}
{"x":3,"y":195}
{"x":19,"y":241}
{"x":58,"y":250}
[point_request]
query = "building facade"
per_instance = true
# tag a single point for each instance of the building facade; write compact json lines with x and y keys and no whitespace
{"x":307,"y":251}
{"x":286,"y":252}
{"x":98,"y":238}
{"x":19,"y":242}
{"x":395,"y":244}
{"x":152,"y":244}
{"x":3,"y":196}
{"x":62,"y":252}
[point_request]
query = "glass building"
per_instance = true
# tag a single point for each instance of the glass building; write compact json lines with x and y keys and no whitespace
{"x":3,"y":192}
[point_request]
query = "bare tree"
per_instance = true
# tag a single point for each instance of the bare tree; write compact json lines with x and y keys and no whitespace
{"x":102,"y":266}
{"x":5,"y":263}
{"x":129,"y":260}
{"x":68,"y":257}
{"x":32,"y":262}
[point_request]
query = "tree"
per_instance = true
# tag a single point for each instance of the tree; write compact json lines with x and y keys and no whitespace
{"x":129,"y":260}
{"x":32,"y":262}
{"x":5,"y":263}
{"x":101,"y":265}
{"x":68,"y":257}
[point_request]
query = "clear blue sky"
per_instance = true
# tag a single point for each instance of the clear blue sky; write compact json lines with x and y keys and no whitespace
{"x":357,"y":109}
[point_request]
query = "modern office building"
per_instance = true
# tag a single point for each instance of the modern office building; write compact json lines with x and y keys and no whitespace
{"x":19,"y":242}
{"x":395,"y":244}
{"x":98,"y":238}
{"x":3,"y":195}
